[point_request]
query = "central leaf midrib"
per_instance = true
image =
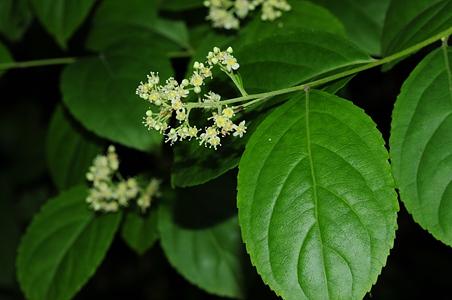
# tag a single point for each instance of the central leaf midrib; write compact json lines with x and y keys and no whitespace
{"x":314,"y":188}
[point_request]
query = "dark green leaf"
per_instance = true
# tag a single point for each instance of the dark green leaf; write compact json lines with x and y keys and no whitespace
{"x":15,"y":17}
{"x":421,"y":144}
{"x":140,"y":231}
{"x":116,"y":20}
{"x":407,"y":25}
{"x":303,"y":16}
{"x":100,"y":92}
{"x":63,"y":246}
{"x":62,"y":17}
{"x":316,"y":199}
{"x":363,"y":20}
{"x":70,"y":150}
{"x":201,"y":238}
{"x":275,"y":63}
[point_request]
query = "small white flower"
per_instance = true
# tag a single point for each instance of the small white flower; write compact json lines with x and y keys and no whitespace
{"x":240,"y":129}
{"x":171,"y":136}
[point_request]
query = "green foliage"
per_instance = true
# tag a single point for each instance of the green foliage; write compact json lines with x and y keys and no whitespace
{"x":140,"y":231}
{"x":63,"y":246}
{"x":70,"y":150}
{"x":62,"y":17}
{"x":317,"y":205}
{"x":272,"y":64}
{"x":117,"y":20}
{"x":201,"y":239}
{"x":421,"y":144}
{"x":15,"y":17}
{"x":104,"y":87}
{"x":363,"y":20}
{"x":407,"y":25}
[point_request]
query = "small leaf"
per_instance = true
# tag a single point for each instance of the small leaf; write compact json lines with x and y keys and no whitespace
{"x":140,"y":231}
{"x":291,"y":59}
{"x":15,"y":18}
{"x":100,"y":92}
{"x":62,"y":17}
{"x":316,"y":199}
{"x":363,"y":20}
{"x":70,"y":150}
{"x":201,"y":239}
{"x":117,"y":20}
{"x":421,"y":144}
{"x":407,"y":25}
{"x":63,"y":246}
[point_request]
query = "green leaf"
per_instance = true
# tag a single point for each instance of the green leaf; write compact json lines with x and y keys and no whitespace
{"x":421,"y":144}
{"x":15,"y":18}
{"x":303,"y":15}
{"x":70,"y":150}
{"x":201,"y":239}
{"x":179,"y":5}
{"x":363,"y":20}
{"x":407,"y":25}
{"x":62,"y":17}
{"x":63,"y":246}
{"x":5,"y":57}
{"x":140,"y":231}
{"x":275,"y":63}
{"x":117,"y":20}
{"x":316,"y":199}
{"x":100,"y":92}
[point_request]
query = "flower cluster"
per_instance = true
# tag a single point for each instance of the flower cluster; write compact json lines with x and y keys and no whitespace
{"x":228,"y":13}
{"x":148,"y":194}
{"x":107,"y":194}
{"x":169,"y":99}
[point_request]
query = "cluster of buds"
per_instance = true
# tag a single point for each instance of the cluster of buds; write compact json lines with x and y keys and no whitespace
{"x":106,"y":193}
{"x":169,"y":99}
{"x":228,"y":13}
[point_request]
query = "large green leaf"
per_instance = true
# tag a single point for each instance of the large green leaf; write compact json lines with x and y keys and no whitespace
{"x":421,"y":144}
{"x":15,"y":17}
{"x":5,"y":57}
{"x":363,"y":20}
{"x":100,"y":92}
{"x":316,"y":199}
{"x":70,"y":150}
{"x":303,"y":15}
{"x":62,"y":17}
{"x":116,"y":20}
{"x":63,"y":246}
{"x":201,"y":238}
{"x":140,"y":231}
{"x":287,"y":60}
{"x":407,"y":25}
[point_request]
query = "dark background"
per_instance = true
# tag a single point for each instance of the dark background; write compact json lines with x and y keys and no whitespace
{"x":418,"y":267}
